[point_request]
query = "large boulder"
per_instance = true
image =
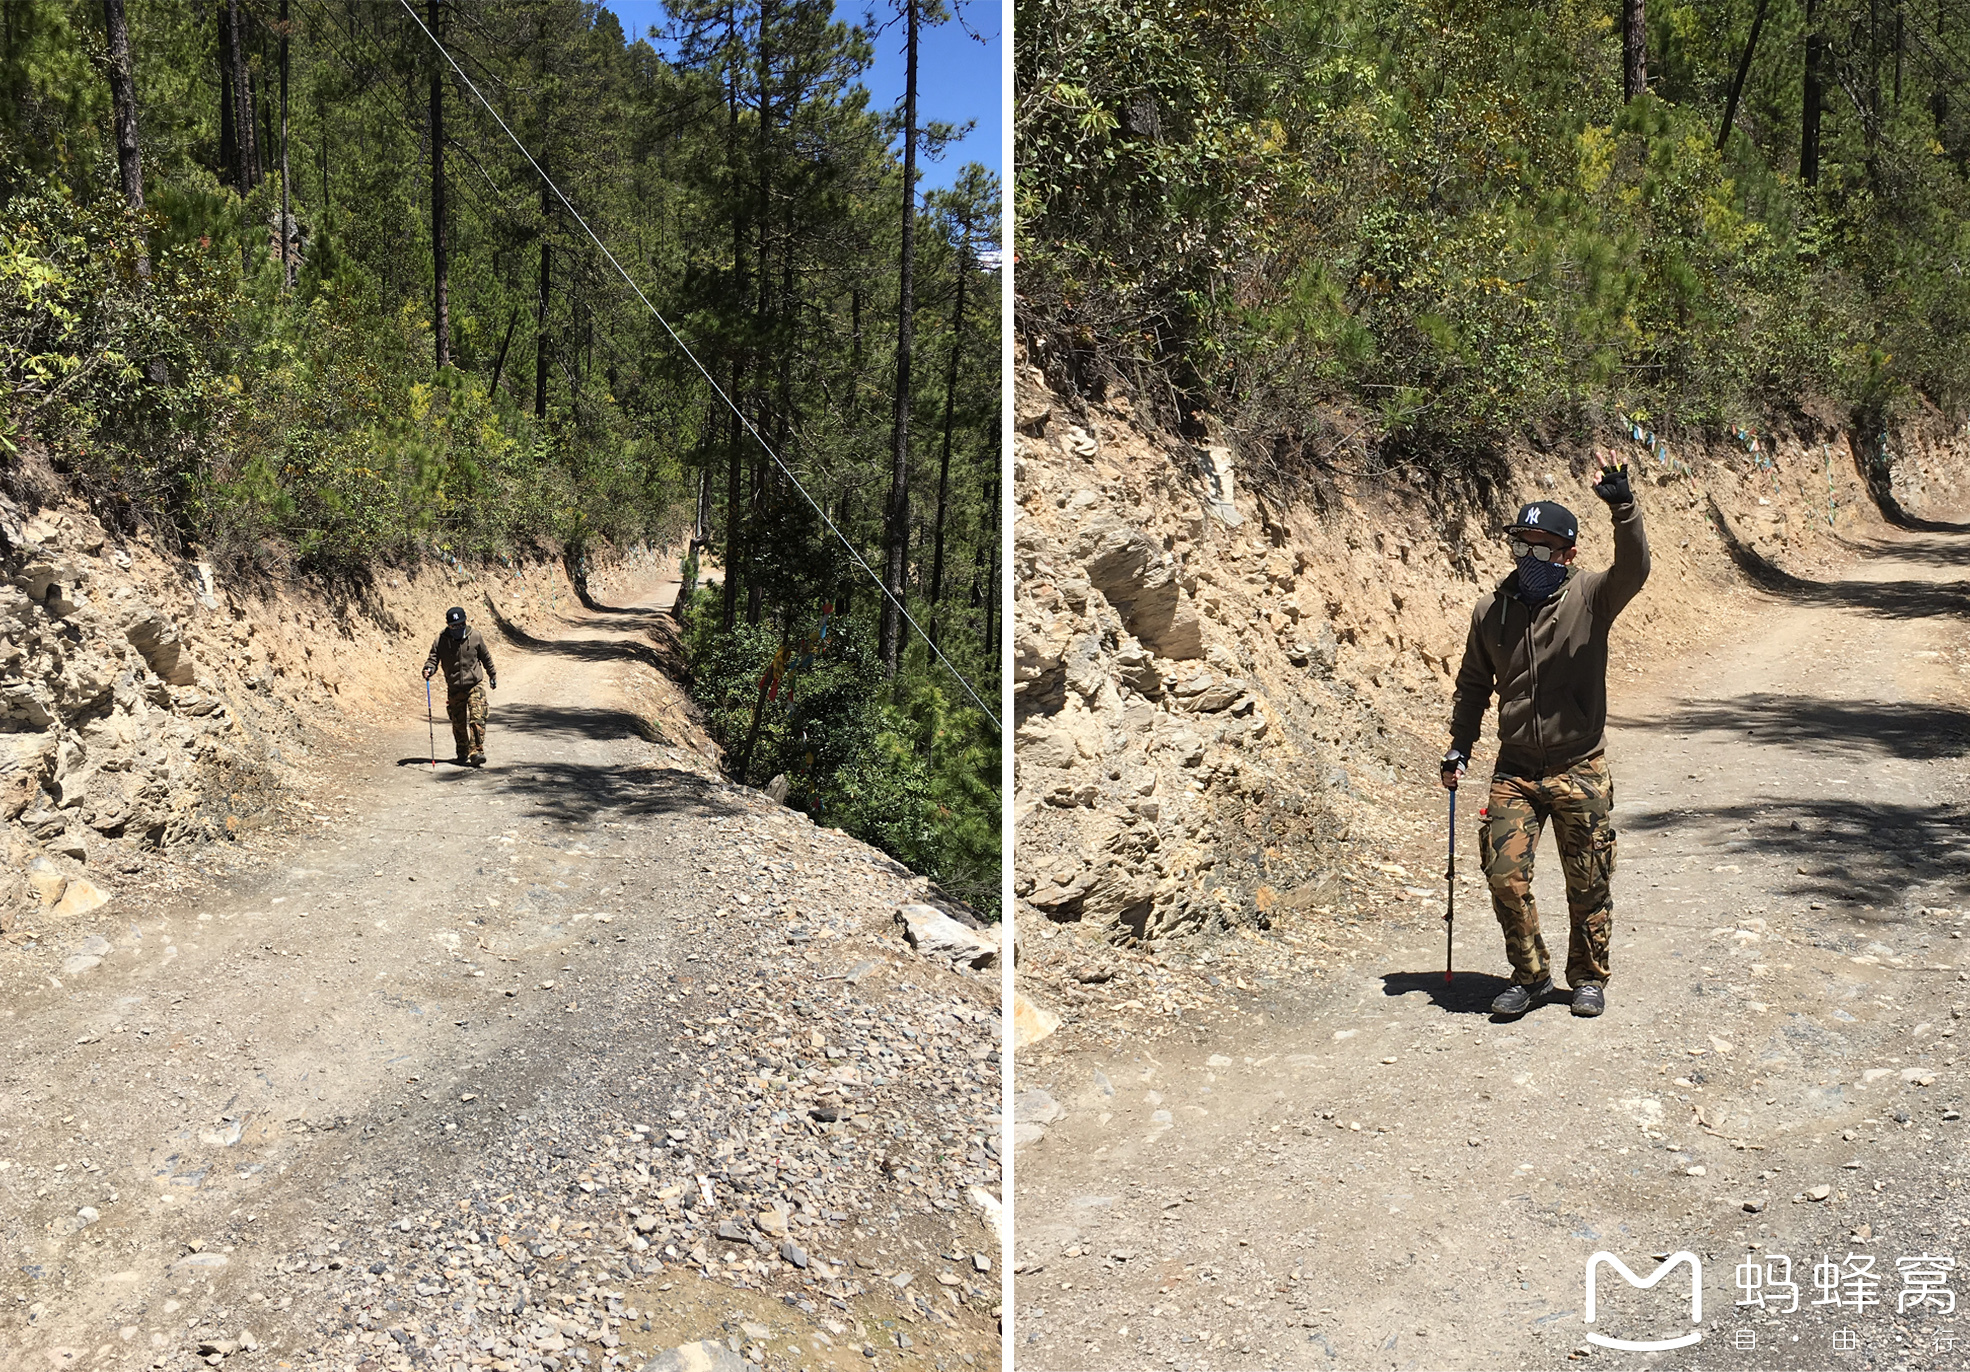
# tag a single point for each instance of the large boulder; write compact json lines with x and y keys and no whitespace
{"x":1030,"y":1022}
{"x":1126,"y":567}
{"x":26,"y":763}
{"x":935,"y":934}
{"x":1032,"y":402}
{"x":702,"y":1356}
{"x":152,"y":633}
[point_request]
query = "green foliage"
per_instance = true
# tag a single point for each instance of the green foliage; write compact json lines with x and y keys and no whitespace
{"x":903,"y":770}
{"x":1442,"y":213}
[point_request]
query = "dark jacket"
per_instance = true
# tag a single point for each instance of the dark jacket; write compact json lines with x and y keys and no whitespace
{"x":462,"y":659}
{"x":1548,"y":662}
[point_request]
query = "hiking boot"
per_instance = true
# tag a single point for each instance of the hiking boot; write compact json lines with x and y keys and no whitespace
{"x":477,"y":760}
{"x":1516,"y":999}
{"x":1589,"y":1000}
{"x":462,"y":759}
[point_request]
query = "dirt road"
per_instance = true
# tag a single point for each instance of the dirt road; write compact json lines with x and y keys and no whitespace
{"x":581,"y":1056}
{"x":1362,"y":1168}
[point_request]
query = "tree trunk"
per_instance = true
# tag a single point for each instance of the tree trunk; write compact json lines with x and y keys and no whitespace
{"x":844,"y":521}
{"x":897,"y":534}
{"x":440,"y":267}
{"x":321,"y":132}
{"x":123,"y":100}
{"x":990,"y":640}
{"x":246,"y":173}
{"x":1809,"y":123}
{"x":499,"y":363}
{"x":855,"y":350}
{"x":762,"y":271}
{"x":286,"y":201}
{"x":950,"y":411}
{"x":1634,"y":50}
{"x":540,"y":316}
{"x":1871,"y":121}
{"x":1743,"y":70}
{"x":734,"y":464}
{"x":228,"y":106}
{"x":735,"y":518}
{"x":757,"y":504}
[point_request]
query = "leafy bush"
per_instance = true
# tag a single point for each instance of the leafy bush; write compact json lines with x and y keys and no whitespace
{"x":318,"y":433}
{"x":1444,"y":216}
{"x":915,"y":779}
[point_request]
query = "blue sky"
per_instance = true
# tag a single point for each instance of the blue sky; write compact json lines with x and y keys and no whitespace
{"x":957,"y":76}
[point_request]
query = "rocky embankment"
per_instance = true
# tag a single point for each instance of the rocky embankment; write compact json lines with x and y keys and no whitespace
{"x":149,"y":708}
{"x":1225,"y":705}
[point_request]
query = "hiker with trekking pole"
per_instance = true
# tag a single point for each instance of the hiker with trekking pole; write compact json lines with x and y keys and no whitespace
{"x":1539,"y":642}
{"x":469,"y":674}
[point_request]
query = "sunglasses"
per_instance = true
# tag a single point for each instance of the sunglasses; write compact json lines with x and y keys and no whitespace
{"x":1539,"y":551}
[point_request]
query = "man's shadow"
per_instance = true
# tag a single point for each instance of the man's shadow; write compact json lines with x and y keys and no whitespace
{"x":1468,"y":993}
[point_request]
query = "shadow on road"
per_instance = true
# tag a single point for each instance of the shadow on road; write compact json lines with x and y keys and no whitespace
{"x":1889,"y":599}
{"x":1871,"y":727}
{"x":576,"y":793}
{"x":594,"y":649}
{"x":1470,"y":993}
{"x":1934,"y":552}
{"x":592,"y":722}
{"x":1850,"y":853}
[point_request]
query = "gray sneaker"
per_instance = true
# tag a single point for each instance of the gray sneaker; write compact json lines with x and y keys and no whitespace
{"x":1589,"y":1000}
{"x":1516,"y":999}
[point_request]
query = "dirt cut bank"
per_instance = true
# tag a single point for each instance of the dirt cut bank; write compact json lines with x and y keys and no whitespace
{"x":1258,"y":1130}
{"x":154,"y":712}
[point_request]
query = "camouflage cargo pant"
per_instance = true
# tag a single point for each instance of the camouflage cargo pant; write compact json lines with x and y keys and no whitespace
{"x":467,"y":710}
{"x":1578,"y":802}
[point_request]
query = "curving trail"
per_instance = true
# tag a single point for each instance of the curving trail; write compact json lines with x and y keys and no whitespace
{"x":1367,"y":1170}
{"x":443,"y":1085}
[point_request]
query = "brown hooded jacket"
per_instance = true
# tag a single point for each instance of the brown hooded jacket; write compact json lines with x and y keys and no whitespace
{"x":1547,"y":663}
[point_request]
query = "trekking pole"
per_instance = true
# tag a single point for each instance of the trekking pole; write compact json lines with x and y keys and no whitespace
{"x":1450,"y":881}
{"x":431,"y":728}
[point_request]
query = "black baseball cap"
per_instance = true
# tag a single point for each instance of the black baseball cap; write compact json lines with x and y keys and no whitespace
{"x":1546,"y":517}
{"x":455,"y":615}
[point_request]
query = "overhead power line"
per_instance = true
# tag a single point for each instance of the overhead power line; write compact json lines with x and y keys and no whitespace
{"x":703,"y":371}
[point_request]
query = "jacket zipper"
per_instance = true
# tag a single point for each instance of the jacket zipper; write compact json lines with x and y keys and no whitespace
{"x":1532,"y":666}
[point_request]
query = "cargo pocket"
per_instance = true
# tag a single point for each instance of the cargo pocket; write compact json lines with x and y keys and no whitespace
{"x":1600,"y":854}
